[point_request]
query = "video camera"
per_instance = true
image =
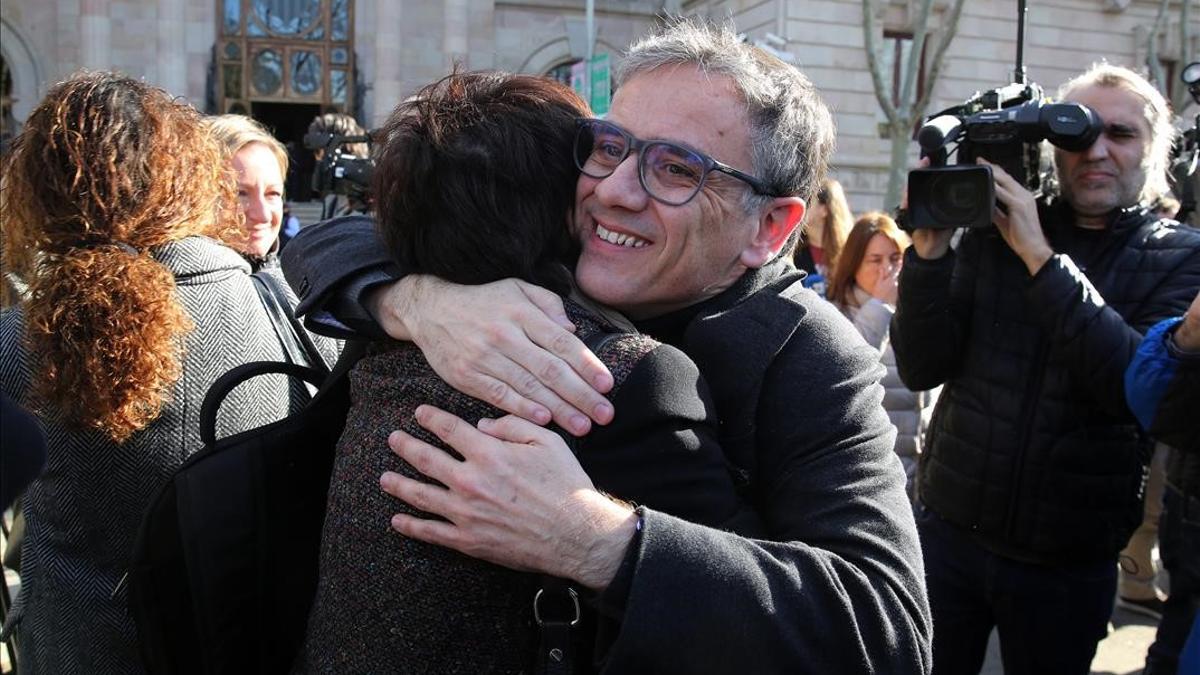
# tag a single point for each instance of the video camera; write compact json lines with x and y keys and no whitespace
{"x":340,"y":172}
{"x":1004,"y":126}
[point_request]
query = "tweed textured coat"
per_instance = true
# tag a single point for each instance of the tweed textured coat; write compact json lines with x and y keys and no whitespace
{"x":82,"y":514}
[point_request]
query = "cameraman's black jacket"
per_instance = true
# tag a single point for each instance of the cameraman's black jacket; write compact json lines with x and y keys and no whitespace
{"x":1032,"y":447}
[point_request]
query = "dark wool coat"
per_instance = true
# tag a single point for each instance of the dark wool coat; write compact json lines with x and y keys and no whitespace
{"x":387,"y":603}
{"x":83,"y":512}
{"x":836,"y":585}
{"x":1032,"y":446}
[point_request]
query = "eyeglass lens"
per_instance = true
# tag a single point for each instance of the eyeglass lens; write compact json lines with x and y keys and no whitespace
{"x":670,"y":173}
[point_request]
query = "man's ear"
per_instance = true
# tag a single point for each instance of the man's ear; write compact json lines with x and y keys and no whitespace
{"x":776,"y":223}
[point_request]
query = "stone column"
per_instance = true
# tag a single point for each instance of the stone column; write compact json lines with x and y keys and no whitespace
{"x":95,"y":35}
{"x":172,"y":47}
{"x":388,"y":57}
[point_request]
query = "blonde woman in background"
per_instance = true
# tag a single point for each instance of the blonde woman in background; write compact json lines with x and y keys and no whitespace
{"x":825,"y":228}
{"x":116,"y":201}
{"x":261,"y":163}
{"x":865,"y":286}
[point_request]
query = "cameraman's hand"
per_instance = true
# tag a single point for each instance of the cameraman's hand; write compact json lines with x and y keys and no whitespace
{"x":508,"y":343}
{"x":929,"y":244}
{"x":1020,"y":227}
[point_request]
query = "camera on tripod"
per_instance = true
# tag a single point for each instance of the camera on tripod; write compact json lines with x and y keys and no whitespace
{"x":339,"y":172}
{"x":1004,"y":126}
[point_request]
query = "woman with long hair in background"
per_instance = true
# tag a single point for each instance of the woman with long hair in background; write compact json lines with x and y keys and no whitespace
{"x":825,"y":228}
{"x":865,"y":285}
{"x":116,"y":201}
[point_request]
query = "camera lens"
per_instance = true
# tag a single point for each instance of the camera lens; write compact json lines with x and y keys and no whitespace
{"x":956,"y":199}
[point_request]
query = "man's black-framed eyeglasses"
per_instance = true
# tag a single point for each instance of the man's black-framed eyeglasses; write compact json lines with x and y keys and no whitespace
{"x":670,"y":173}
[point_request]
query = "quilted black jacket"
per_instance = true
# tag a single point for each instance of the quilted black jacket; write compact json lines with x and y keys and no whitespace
{"x":1032,"y":447}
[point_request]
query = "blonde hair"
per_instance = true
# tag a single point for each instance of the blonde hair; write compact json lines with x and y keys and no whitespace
{"x":237,"y":131}
{"x":105,"y":169}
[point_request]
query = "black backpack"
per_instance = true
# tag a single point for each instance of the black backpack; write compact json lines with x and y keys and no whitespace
{"x":224,"y":568}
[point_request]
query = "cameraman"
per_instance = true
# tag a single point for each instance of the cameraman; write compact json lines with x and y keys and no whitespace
{"x":1032,"y":473}
{"x":339,"y":124}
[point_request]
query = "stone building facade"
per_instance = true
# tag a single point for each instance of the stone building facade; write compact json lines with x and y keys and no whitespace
{"x":363,"y":56}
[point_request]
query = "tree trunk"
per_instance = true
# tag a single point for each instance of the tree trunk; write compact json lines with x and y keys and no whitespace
{"x":900,"y":133}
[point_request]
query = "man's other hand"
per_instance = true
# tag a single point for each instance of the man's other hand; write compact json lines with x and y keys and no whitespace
{"x":1020,"y":226}
{"x":518,"y":498}
{"x":508,"y":343}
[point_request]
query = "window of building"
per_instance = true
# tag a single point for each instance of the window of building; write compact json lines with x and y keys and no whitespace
{"x":285,"y":51}
{"x":897,"y":46}
{"x":1171,"y":78}
{"x":562,"y":72}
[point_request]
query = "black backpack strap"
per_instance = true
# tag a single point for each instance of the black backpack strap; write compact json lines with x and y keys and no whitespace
{"x":351,"y":353}
{"x":556,"y":604}
{"x":291,"y":331}
{"x":230,"y":380}
{"x":555,"y":611}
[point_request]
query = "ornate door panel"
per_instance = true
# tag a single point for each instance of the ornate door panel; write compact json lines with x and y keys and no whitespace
{"x":286,"y":51}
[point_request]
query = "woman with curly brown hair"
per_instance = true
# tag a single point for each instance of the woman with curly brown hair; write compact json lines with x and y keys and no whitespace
{"x":115,"y":204}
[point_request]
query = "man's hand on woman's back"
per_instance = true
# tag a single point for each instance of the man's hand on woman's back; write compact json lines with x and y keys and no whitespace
{"x":508,"y":343}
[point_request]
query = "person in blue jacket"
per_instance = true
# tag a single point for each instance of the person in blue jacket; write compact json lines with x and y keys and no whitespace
{"x":1162,"y":387}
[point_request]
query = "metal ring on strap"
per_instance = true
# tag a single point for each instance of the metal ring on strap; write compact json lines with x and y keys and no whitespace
{"x":537,"y":613}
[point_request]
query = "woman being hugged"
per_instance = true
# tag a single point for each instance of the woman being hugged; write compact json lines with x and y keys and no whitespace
{"x":115,"y":203}
{"x":865,"y":286}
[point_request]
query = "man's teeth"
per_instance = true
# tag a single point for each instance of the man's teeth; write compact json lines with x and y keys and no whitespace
{"x":619,"y":239}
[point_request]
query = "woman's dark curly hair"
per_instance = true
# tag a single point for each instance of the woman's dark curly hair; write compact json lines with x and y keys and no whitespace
{"x":475,"y":181}
{"x":105,"y":169}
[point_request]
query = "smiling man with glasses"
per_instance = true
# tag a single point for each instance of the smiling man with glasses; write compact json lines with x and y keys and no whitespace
{"x":688,"y":202}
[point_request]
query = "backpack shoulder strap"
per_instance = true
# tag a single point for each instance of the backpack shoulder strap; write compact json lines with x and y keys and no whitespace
{"x":282,"y":306}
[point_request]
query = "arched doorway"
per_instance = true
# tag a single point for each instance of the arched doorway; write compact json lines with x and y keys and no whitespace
{"x":284,"y":62}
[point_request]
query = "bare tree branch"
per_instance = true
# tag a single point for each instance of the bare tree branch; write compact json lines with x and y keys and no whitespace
{"x":920,"y":27}
{"x":1152,"y":62}
{"x":935,"y":68}
{"x":1182,"y":97}
{"x":882,"y":93}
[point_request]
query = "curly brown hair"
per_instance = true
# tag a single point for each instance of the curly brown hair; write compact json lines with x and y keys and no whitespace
{"x":105,"y":169}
